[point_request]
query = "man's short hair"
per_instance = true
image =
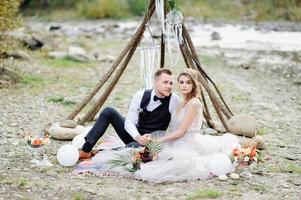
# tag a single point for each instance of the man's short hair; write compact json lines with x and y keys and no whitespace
{"x":162,"y":71}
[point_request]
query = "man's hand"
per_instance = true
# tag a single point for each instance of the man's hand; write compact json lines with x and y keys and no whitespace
{"x":143,"y":139}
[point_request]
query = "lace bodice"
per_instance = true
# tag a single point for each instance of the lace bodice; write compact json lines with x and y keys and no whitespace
{"x":178,"y":117}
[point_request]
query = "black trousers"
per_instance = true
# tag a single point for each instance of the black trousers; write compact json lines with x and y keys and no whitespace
{"x":107,"y":116}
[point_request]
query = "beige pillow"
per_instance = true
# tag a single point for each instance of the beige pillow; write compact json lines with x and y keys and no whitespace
{"x":62,"y":133}
{"x":243,"y":124}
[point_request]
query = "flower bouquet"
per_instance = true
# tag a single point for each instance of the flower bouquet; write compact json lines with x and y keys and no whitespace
{"x":132,"y":160}
{"x":245,"y":156}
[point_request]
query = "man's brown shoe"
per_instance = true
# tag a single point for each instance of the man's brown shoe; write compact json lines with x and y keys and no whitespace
{"x":86,"y":155}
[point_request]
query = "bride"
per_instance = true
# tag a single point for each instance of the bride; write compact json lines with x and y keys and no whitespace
{"x":187,"y":155}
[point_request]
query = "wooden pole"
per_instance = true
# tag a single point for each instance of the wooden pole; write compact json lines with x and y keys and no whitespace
{"x":190,"y":64}
{"x":108,"y":74}
{"x":162,"y":57}
{"x":195,"y":58}
{"x":187,"y":38}
{"x":204,"y":83}
{"x":93,"y":111}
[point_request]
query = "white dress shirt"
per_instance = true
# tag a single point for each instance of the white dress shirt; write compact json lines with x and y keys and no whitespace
{"x":133,"y":113}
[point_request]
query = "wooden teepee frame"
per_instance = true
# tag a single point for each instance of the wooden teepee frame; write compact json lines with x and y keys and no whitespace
{"x":191,"y":59}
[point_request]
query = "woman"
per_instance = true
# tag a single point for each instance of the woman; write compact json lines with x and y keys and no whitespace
{"x":187,"y":154}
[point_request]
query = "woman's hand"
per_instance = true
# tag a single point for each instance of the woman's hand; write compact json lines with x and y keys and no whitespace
{"x":143,"y":139}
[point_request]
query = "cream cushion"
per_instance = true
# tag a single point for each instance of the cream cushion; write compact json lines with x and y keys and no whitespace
{"x":243,"y":124}
{"x":62,"y":133}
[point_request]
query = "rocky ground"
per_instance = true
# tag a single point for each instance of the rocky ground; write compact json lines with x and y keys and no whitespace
{"x":52,"y":85}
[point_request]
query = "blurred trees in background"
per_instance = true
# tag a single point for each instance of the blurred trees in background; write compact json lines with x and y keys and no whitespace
{"x":9,"y":19}
{"x":206,"y":9}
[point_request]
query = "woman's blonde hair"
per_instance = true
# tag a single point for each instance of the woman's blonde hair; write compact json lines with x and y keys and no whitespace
{"x":194,"y":76}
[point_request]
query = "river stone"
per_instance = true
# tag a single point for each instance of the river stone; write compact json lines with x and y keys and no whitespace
{"x":243,"y":124}
{"x":234,"y":176}
{"x":77,"y":54}
{"x":33,"y":43}
{"x":57,"y":54}
{"x":18,"y":54}
{"x":260,"y":142}
{"x":222,"y":177}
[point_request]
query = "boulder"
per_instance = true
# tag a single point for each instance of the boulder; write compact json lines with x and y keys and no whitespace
{"x":32,"y":43}
{"x":77,"y":54}
{"x":57,"y":54}
{"x":215,"y":36}
{"x":18,"y":54}
{"x":243,"y":124}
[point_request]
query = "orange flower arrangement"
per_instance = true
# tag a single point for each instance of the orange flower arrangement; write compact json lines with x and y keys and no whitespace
{"x":36,"y":142}
{"x":245,"y":155}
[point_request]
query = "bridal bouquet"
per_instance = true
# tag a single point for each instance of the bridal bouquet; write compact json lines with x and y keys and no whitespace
{"x":245,"y":156}
{"x":132,"y":160}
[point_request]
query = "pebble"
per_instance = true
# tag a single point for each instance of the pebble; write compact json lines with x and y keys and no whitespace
{"x":234,"y":176}
{"x":296,"y":182}
{"x":291,"y":157}
{"x":285,"y":185}
{"x":222,"y":177}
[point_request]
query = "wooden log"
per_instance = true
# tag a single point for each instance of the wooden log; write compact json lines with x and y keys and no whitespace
{"x":93,"y":111}
{"x":189,"y":62}
{"x":213,"y":98}
{"x":187,"y":38}
{"x":162,"y":47}
{"x":109,"y":73}
{"x":225,"y":109}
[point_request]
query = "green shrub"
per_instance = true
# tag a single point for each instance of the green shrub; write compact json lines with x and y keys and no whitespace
{"x":9,"y":19}
{"x":137,"y":7}
{"x":98,"y":9}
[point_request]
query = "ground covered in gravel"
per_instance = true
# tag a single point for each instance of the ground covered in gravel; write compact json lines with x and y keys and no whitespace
{"x":51,"y":87}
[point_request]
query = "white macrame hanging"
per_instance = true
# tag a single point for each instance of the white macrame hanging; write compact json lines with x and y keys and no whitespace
{"x":160,"y":13}
{"x":173,"y":34}
{"x":149,"y":58}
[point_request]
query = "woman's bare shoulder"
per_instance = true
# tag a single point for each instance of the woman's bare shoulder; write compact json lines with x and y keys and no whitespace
{"x":195,"y":102}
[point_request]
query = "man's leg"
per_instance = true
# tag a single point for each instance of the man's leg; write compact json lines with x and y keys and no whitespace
{"x":107,"y":116}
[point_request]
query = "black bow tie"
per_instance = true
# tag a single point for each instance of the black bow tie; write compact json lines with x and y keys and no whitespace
{"x":159,"y":98}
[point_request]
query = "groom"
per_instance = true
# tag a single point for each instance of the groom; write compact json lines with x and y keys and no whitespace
{"x":149,"y":114}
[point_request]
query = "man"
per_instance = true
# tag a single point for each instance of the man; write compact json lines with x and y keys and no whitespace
{"x":149,"y":114}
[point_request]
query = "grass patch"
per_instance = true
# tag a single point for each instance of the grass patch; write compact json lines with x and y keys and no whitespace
{"x":212,"y":60}
{"x":22,"y":182}
{"x":205,"y":193}
{"x":262,"y":131}
{"x":292,"y":168}
{"x":78,"y":196}
{"x":60,"y":100}
{"x":62,"y":63}
{"x":258,"y":187}
{"x":31,"y":79}
{"x":241,"y":97}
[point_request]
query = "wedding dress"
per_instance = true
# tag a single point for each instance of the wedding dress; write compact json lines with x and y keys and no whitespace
{"x":193,"y":156}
